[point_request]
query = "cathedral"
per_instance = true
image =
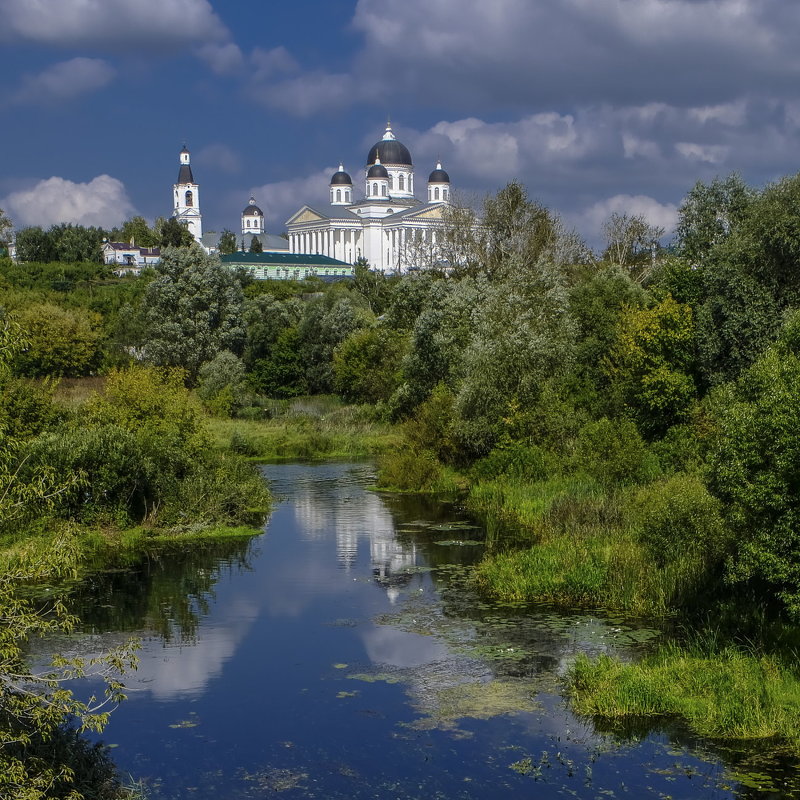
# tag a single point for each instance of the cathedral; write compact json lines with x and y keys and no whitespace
{"x":389,"y":226}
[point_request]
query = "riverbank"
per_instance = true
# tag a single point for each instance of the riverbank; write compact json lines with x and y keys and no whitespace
{"x":724,"y":694}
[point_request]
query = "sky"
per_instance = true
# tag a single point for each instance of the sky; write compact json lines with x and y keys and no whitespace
{"x":595,"y":105}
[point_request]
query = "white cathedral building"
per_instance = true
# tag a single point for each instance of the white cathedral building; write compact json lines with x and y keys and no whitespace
{"x":389,"y":226}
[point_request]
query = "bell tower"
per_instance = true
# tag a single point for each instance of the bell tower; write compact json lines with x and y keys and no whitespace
{"x":186,"y":197}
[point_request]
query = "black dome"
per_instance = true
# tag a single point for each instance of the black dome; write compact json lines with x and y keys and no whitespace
{"x":252,"y":211}
{"x":341,"y":177}
{"x":390,"y":151}
{"x":377,"y":171}
{"x":439,"y":176}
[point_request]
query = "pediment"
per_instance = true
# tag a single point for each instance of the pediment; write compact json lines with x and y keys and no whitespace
{"x":305,"y":214}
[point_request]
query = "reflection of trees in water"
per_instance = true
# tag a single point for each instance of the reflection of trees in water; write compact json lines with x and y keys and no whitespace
{"x":773,"y":772}
{"x":168,"y":590}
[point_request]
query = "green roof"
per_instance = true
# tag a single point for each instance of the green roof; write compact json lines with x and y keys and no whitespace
{"x":282,"y":260}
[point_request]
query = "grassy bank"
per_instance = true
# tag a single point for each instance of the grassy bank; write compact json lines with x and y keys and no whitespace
{"x":729,"y":694}
{"x":642,"y":550}
{"x":306,"y":429}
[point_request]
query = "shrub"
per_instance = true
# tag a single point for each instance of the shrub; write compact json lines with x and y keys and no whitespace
{"x":515,"y":459}
{"x":613,"y":452}
{"x":678,"y":518}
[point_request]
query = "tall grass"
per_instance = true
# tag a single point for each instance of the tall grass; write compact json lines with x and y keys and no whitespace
{"x":583,"y":547}
{"x":727,"y":693}
{"x":305,"y":428}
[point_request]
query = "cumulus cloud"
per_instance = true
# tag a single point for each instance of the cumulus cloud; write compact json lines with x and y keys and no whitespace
{"x":590,"y":221}
{"x":224,"y":59}
{"x":307,"y":94}
{"x":513,"y":53}
{"x":65,"y":81}
{"x":103,"y":202}
{"x":279,"y":200}
{"x":109,"y":24}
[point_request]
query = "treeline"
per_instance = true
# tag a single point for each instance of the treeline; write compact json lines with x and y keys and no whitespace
{"x":650,"y":390}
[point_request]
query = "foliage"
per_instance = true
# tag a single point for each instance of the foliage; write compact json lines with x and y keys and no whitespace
{"x":366,"y":365}
{"x":227,"y":242}
{"x":59,"y":342}
{"x":222,"y":384}
{"x":137,"y":231}
{"x":255,"y":245}
{"x":630,"y":241}
{"x":727,"y":694}
{"x":283,"y":372}
{"x":173,"y":234}
{"x":614,"y":453}
{"x":650,"y":363}
{"x":753,"y":470}
{"x":64,"y":242}
{"x":709,"y":214}
{"x":192,"y":311}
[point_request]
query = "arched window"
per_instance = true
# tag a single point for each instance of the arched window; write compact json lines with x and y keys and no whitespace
{"x":338,"y":195}
{"x":402,"y":182}
{"x":445,"y":193}
{"x":383,"y":190}
{"x":189,"y":198}
{"x":248,"y":223}
{"x":436,"y":193}
{"x":391,"y":181}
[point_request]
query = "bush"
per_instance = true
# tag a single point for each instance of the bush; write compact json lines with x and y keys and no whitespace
{"x":515,"y":459}
{"x":222,"y":384}
{"x":613,"y":452}
{"x":678,"y":518}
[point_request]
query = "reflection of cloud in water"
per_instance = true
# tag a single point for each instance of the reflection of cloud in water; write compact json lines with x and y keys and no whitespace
{"x":170,"y":672}
{"x":387,"y":646}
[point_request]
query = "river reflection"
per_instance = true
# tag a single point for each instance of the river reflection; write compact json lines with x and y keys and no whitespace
{"x":344,"y":654}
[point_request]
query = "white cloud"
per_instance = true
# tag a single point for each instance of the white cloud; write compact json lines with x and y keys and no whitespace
{"x":220,"y":157}
{"x":107,"y":24}
{"x":590,"y":220}
{"x":224,"y":59}
{"x":710,"y":153}
{"x":308,"y":94}
{"x":102,"y":201}
{"x":65,"y":81}
{"x":281,"y":199}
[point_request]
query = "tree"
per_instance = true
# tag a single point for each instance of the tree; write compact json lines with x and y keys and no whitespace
{"x":67,"y":243}
{"x":6,"y":226}
{"x":173,"y":234}
{"x":256,"y":246}
{"x":374,"y":286}
{"x":754,"y":468}
{"x":192,"y":311}
{"x":227,"y":242}
{"x":138,"y":231}
{"x":630,"y":240}
{"x":366,"y":365}
{"x":709,"y":214}
{"x":651,"y":362}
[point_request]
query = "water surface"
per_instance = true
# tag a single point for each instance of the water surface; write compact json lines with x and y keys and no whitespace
{"x":343,"y":654}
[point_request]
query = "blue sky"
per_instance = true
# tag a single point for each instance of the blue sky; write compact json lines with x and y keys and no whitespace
{"x":596,"y":105}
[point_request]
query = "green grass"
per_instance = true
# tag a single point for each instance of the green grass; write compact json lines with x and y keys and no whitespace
{"x":727,"y":694}
{"x":581,"y":550}
{"x":306,"y":429}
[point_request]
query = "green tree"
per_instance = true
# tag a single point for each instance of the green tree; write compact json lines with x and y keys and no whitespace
{"x":366,"y":365}
{"x":192,"y":311}
{"x":630,"y":242}
{"x":651,"y":362}
{"x":34,"y":244}
{"x":227,"y":242}
{"x":138,"y":231}
{"x":255,"y":245}
{"x":754,"y":468}
{"x":6,"y":228}
{"x":709,"y":214}
{"x":173,"y":234}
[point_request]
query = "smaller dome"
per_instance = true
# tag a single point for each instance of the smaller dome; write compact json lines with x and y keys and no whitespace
{"x":252,"y":209}
{"x":377,"y":170}
{"x":341,"y":178}
{"x":439,"y":175}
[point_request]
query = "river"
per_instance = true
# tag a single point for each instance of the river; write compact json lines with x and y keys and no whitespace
{"x":343,"y":654}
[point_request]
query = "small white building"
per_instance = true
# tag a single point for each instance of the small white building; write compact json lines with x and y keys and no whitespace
{"x":129,"y":258}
